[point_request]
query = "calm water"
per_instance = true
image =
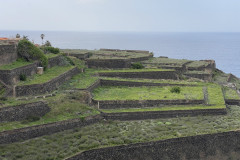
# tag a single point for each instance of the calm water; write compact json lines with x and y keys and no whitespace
{"x":222,"y":47}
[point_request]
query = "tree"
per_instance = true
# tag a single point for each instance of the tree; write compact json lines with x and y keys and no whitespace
{"x":48,"y":44}
{"x":42,"y":37}
{"x":18,"y":36}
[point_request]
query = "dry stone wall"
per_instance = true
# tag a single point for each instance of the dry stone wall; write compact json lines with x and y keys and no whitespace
{"x":221,"y":146}
{"x":108,"y":63}
{"x":46,"y":129}
{"x":23,"y":111}
{"x":205,"y":77}
{"x":49,"y":86}
{"x":146,"y":75}
{"x":55,"y":61}
{"x":8,"y":54}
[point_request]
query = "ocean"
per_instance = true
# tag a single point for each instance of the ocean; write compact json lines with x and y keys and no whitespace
{"x":224,"y":48}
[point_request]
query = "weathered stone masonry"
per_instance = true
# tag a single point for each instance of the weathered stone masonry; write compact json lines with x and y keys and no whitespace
{"x":219,"y":146}
{"x":8,"y":54}
{"x":23,"y":111}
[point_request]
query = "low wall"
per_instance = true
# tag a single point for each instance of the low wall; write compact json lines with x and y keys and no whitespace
{"x":232,"y":101}
{"x":56,"y":61}
{"x":146,"y":75}
{"x":105,"y":82}
{"x":11,"y":77}
{"x":116,"y":104}
{"x":23,"y":111}
{"x":45,"y":87}
{"x":8,"y":54}
{"x":205,"y":77}
{"x":124,"y":116}
{"x":219,"y":146}
{"x":45,"y":129}
{"x":82,"y":56}
{"x":108,"y":63}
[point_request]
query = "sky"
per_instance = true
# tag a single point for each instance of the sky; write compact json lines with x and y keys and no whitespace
{"x":121,"y":15}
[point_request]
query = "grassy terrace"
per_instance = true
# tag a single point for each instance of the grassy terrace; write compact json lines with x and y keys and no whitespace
{"x":146,"y":93}
{"x":51,"y":55}
{"x":136,"y":70}
{"x":155,"y":81}
{"x":165,"y":108}
{"x":231,"y":93}
{"x":113,"y":133}
{"x":197,"y":72}
{"x":63,"y":107}
{"x":169,"y":61}
{"x":47,"y":76}
{"x":13,"y":102}
{"x":197,"y":64}
{"x":14,"y":65}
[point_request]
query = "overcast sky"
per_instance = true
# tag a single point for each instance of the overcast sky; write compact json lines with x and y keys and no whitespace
{"x":121,"y":15}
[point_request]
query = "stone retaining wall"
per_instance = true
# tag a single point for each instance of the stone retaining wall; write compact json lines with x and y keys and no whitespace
{"x":56,"y":61}
{"x":82,"y":56}
{"x":108,"y":63}
{"x":124,"y":116}
{"x":45,"y":129}
{"x":205,"y":77}
{"x":146,"y":75}
{"x":8,"y":54}
{"x":23,"y":111}
{"x":232,"y":101}
{"x":219,"y":146}
{"x":116,"y":104}
{"x":105,"y":82}
{"x":11,"y":77}
{"x":45,"y":87}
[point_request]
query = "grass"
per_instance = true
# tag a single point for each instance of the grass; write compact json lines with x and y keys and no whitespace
{"x":146,"y":93}
{"x":231,"y":93}
{"x":18,"y":63}
{"x":165,"y":108}
{"x":63,"y":107}
{"x":82,"y":80}
{"x":215,"y":95}
{"x":169,"y":61}
{"x":156,"y":81}
{"x":197,"y":72}
{"x":13,"y":102}
{"x":113,"y":133}
{"x":197,"y":64}
{"x":51,"y":55}
{"x":137,"y":70}
{"x":47,"y":76}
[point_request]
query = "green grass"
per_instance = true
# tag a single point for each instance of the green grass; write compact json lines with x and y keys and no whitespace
{"x":146,"y":93}
{"x":169,"y":61}
{"x":231,"y":93}
{"x":165,"y":108}
{"x":14,"y":65}
{"x":197,"y":72}
{"x":112,"y":133}
{"x":197,"y":64}
{"x":156,"y":81}
{"x":47,"y":76}
{"x":63,"y":107}
{"x":137,"y":70}
{"x":215,"y":95}
{"x":13,"y":102}
{"x":51,"y":55}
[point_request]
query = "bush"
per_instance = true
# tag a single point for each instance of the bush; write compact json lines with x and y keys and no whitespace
{"x":29,"y":52}
{"x":175,"y":89}
{"x":137,"y":65}
{"x":50,"y":49}
{"x":22,"y":77}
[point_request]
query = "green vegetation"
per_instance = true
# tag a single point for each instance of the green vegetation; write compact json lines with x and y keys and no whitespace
{"x":146,"y":93}
{"x":63,"y":107}
{"x":197,"y":64}
{"x":136,"y":70}
{"x":165,"y":108}
{"x":22,"y":77}
{"x":49,"y":49}
{"x":29,"y":51}
{"x":47,"y":76}
{"x":51,"y":55}
{"x":175,"y":89}
{"x":215,"y":95}
{"x":19,"y":63}
{"x":13,"y":102}
{"x":231,"y":93}
{"x":113,"y":133}
{"x":137,"y":65}
{"x":166,"y":61}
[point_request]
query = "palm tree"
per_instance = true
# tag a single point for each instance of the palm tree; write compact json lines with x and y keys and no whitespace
{"x":42,"y":37}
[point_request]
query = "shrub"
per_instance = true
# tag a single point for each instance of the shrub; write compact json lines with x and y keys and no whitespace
{"x":175,"y":89}
{"x":137,"y":65}
{"x":49,"y":49}
{"x":29,"y":52}
{"x":69,"y":60}
{"x":22,"y":77}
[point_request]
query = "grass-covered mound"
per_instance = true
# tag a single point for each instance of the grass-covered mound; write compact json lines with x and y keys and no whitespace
{"x":231,"y":93}
{"x":146,"y":93}
{"x":29,"y":52}
{"x":136,"y":70}
{"x":112,"y":133}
